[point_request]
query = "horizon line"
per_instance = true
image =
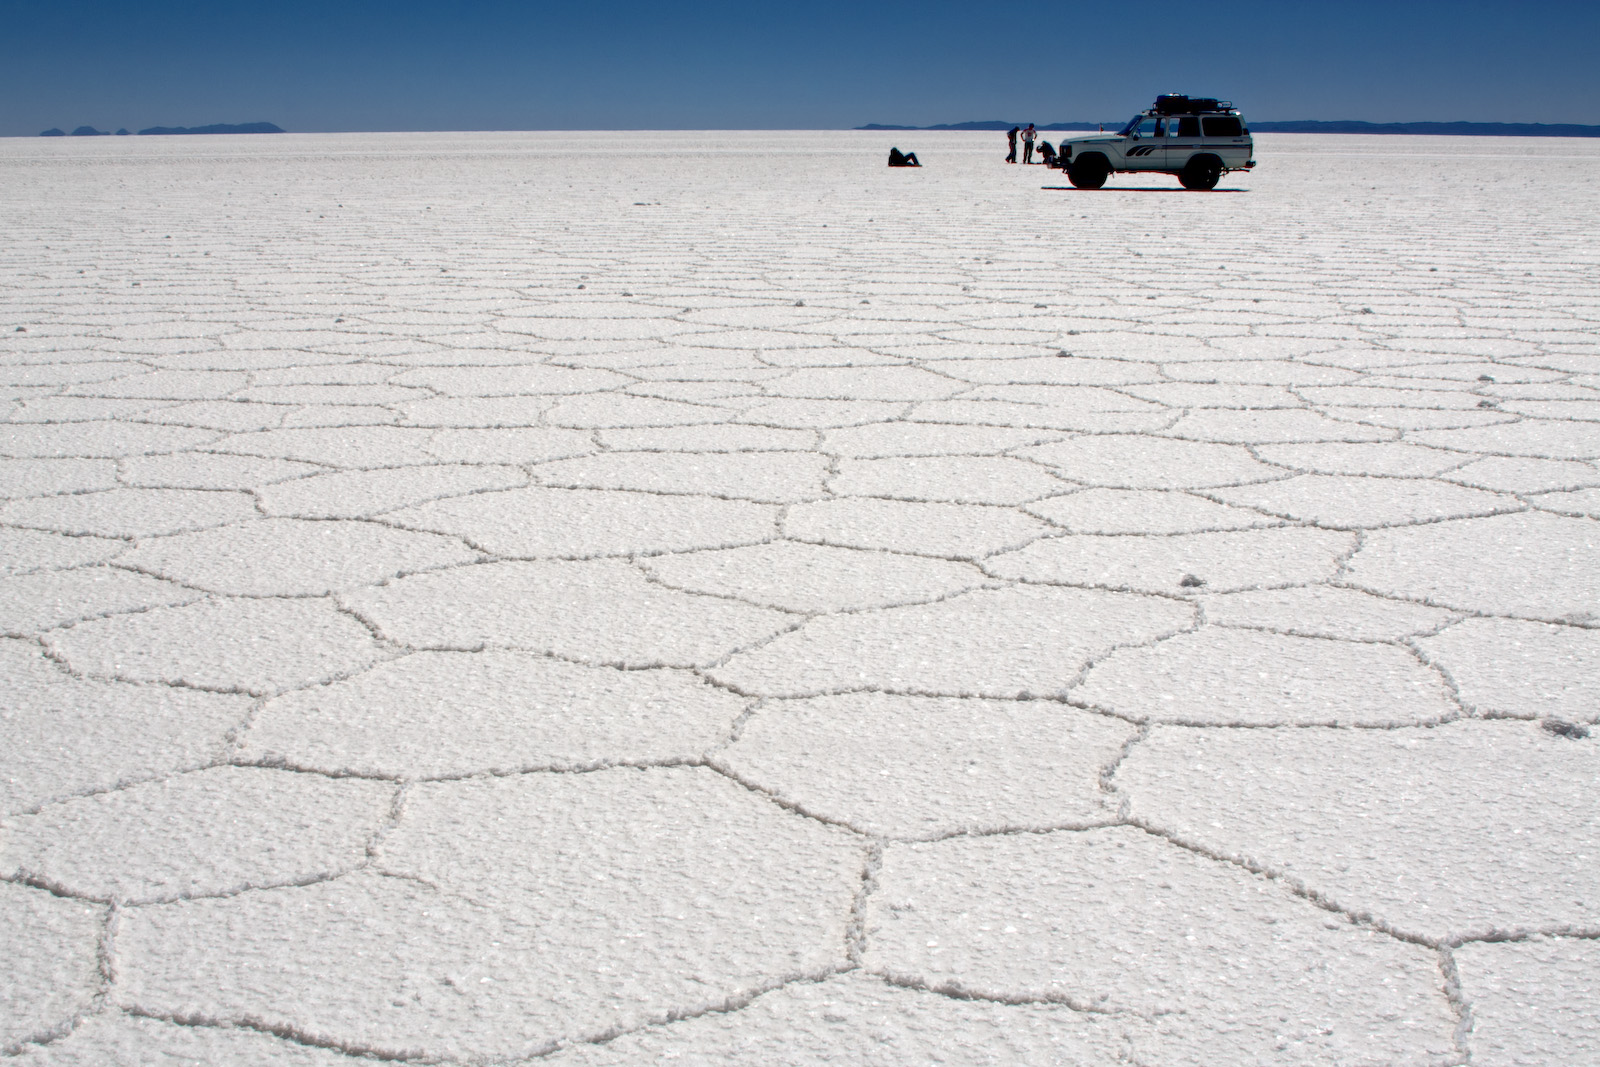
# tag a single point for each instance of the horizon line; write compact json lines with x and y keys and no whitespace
{"x":973,"y":126}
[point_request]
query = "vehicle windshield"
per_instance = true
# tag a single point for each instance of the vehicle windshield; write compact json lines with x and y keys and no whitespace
{"x":1132,"y":125}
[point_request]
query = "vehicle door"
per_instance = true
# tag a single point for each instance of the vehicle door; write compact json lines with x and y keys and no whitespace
{"x":1182,"y":141}
{"x":1226,"y":137}
{"x":1143,"y":147}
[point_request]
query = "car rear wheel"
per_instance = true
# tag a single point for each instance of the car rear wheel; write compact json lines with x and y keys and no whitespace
{"x":1088,"y":172}
{"x":1201,"y":172}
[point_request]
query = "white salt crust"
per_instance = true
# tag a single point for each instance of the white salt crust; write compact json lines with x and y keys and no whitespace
{"x":709,"y":598}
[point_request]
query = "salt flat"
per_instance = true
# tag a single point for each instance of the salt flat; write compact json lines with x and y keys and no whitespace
{"x":617,"y":598}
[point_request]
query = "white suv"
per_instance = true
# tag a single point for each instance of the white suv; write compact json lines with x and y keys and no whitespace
{"x":1197,"y":139}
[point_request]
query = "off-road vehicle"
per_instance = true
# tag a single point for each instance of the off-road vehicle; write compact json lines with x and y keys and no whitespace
{"x":1196,"y":138}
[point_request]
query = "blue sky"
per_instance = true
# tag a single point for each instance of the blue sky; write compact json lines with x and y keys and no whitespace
{"x":820,"y":64}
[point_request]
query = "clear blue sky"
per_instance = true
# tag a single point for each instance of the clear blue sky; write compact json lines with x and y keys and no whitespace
{"x":646,"y":64}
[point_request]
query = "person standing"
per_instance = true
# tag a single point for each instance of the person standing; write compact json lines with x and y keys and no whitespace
{"x":1011,"y":139}
{"x":1027,"y":143}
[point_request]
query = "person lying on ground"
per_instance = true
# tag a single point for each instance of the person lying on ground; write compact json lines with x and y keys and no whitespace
{"x":902,"y":159}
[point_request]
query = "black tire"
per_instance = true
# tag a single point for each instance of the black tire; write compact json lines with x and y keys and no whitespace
{"x":1089,"y":172}
{"x":1201,"y":173}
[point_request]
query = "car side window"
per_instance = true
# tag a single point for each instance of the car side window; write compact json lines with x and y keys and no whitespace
{"x":1187,"y":127}
{"x":1147,"y":127}
{"x":1224,"y":126}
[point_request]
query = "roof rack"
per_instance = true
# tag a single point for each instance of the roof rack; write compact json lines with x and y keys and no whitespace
{"x":1176,"y":103}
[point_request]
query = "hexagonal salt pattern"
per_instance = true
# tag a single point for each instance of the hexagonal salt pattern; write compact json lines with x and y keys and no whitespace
{"x":599,"y":611}
{"x":519,"y":913}
{"x":1531,"y":566}
{"x":1345,"y":503}
{"x":952,"y":531}
{"x":815,"y":578}
{"x":128,"y":512}
{"x":451,"y":714}
{"x":1234,"y":677}
{"x":290,"y":557}
{"x":994,"y":642}
{"x":1224,"y":561}
{"x":578,"y":523}
{"x":1138,"y":511}
{"x":1391,"y":823}
{"x":877,"y":617}
{"x":214,"y":832}
{"x":244,"y":645}
{"x":72,"y":736}
{"x":861,"y":1019}
{"x":1120,"y":921}
{"x":1325,"y":611}
{"x":906,"y":766}
{"x":30,"y":551}
{"x":118,"y":1038}
{"x":1532,"y":1002}
{"x":1524,"y":669}
{"x":51,"y":945}
{"x":43,"y":600}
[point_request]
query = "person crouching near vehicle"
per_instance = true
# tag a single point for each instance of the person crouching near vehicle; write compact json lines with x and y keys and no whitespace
{"x":1047,"y":152}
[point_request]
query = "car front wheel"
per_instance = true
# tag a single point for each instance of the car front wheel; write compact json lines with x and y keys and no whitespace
{"x":1088,"y":172}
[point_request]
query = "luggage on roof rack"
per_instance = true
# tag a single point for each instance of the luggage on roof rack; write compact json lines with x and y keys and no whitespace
{"x":1177,"y":103}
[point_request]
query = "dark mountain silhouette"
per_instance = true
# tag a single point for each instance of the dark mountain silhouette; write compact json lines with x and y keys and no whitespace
{"x":221,"y":127}
{"x":247,"y":127}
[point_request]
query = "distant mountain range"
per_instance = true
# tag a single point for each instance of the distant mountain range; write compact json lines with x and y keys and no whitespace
{"x":221,"y":127}
{"x":1461,"y":129}
{"x":82,"y":131}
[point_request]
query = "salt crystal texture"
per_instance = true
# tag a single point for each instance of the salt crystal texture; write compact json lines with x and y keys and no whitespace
{"x":708,"y":597}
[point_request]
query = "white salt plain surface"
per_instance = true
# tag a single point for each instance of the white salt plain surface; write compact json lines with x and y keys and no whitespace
{"x":708,"y":598}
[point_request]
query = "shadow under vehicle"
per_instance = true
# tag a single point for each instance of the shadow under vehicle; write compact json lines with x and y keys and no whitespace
{"x":1198,"y":139}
